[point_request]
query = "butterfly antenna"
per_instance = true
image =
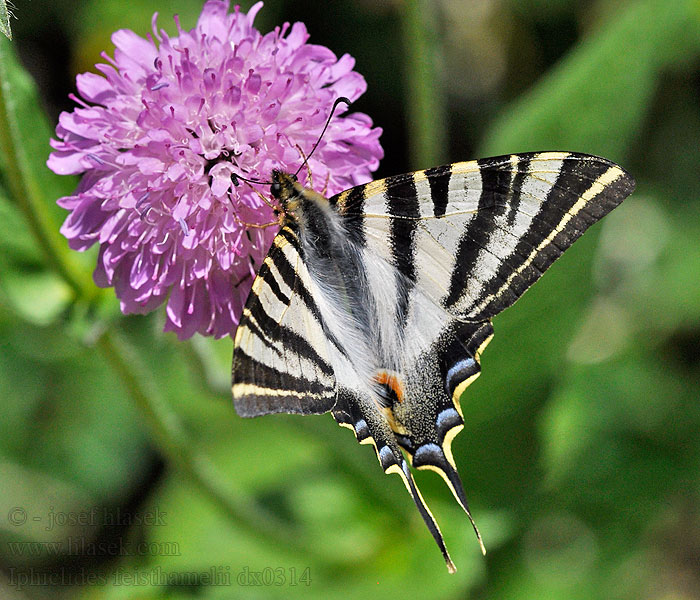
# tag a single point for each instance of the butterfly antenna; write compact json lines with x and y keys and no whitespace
{"x":235,"y":177}
{"x":320,"y":137}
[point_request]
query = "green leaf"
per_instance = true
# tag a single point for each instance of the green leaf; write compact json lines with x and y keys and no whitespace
{"x":39,"y":297}
{"x":596,"y":99}
{"x":33,"y":292}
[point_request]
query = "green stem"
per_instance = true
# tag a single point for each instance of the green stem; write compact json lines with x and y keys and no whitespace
{"x":168,"y":433}
{"x":24,"y":188}
{"x":425,"y":108}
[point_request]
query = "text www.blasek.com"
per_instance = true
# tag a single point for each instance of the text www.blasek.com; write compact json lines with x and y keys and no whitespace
{"x":78,"y":546}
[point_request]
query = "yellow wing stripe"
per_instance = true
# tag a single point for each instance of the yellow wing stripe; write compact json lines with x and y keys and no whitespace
{"x":598,"y":186}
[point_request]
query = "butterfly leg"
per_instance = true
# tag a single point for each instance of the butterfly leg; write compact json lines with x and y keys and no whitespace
{"x":309,"y":178}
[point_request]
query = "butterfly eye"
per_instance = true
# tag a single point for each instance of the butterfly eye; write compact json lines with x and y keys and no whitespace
{"x":276,"y":189}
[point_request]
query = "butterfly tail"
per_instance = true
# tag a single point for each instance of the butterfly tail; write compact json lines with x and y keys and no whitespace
{"x":431,"y":409}
{"x":350,"y":412}
{"x":423,"y":509}
{"x":431,"y":456}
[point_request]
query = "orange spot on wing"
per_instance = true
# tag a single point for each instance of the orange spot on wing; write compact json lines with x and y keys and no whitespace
{"x":392,"y":381}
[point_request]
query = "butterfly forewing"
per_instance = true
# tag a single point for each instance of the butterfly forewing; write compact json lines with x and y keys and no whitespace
{"x":478,"y":234}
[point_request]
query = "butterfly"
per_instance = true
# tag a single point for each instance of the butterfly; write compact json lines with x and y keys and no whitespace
{"x":376,"y":304}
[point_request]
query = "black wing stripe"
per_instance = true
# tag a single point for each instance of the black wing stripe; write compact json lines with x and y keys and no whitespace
{"x":480,"y":248}
{"x":266,"y":376}
{"x":262,"y":384}
{"x":403,"y":201}
{"x":271,"y":282}
{"x":286,"y":270}
{"x":513,"y":195}
{"x":252,"y":325}
{"x":351,"y":202}
{"x":439,"y":180}
{"x":479,"y":229}
{"x":292,"y":341}
{"x":574,"y":180}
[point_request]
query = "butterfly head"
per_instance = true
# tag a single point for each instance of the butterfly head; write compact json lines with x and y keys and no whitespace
{"x":283,"y":186}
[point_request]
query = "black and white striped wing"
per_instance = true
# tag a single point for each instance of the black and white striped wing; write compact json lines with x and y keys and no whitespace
{"x":465,"y":240}
{"x":280,"y":360}
{"x":473,"y":236}
{"x":462,"y":243}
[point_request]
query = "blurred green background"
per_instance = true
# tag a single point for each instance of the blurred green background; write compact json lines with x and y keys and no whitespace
{"x":123,"y":463}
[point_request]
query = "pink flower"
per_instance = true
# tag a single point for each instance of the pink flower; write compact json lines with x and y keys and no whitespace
{"x":160,"y":138}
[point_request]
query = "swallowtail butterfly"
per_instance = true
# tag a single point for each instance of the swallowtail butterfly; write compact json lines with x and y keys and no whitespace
{"x":376,"y":304}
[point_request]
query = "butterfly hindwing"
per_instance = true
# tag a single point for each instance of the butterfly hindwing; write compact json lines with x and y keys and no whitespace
{"x":355,"y":410}
{"x":423,"y":416}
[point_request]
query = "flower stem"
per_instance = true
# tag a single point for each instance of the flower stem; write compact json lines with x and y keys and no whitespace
{"x":425,"y":108}
{"x":168,"y":434}
{"x":21,"y":179}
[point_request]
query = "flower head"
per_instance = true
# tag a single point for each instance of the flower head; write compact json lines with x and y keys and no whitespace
{"x":161,"y":137}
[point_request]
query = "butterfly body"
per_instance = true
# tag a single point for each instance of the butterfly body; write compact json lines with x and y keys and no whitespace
{"x":376,"y":304}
